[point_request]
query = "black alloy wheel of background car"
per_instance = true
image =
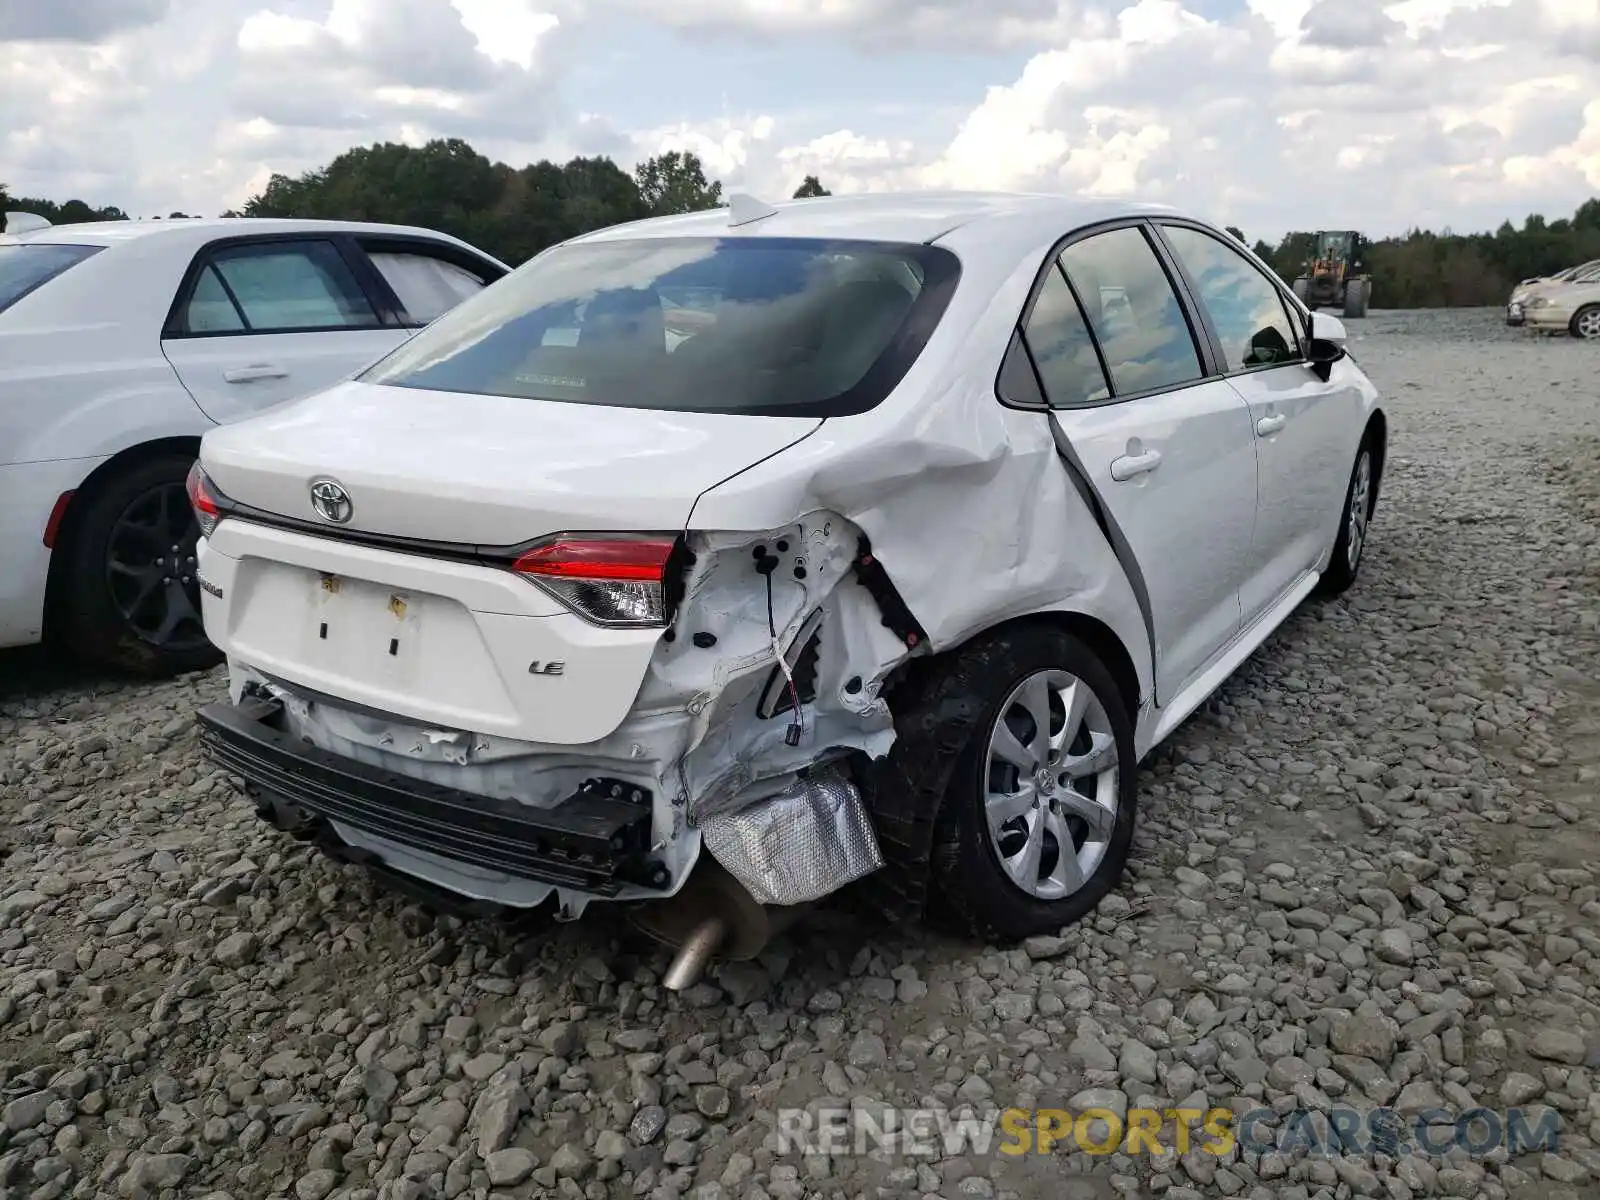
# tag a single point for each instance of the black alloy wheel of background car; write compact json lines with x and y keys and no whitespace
{"x":127,"y":595}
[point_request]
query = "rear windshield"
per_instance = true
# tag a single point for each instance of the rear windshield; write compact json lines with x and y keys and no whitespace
{"x":24,"y":268}
{"x":776,"y":326}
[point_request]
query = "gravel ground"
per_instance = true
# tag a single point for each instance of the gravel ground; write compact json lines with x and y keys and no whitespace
{"x":1365,"y":877}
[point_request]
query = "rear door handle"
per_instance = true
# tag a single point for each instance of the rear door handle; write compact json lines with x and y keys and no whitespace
{"x":253,"y":372}
{"x":1129,"y":465}
{"x":1268,"y":426}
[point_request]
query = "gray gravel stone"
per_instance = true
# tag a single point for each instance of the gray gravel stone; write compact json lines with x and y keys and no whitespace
{"x":1557,"y":1045}
{"x":1138,"y":1062}
{"x":237,"y":949}
{"x":154,"y":1172}
{"x":1364,"y":1036}
{"x":315,"y":1185}
{"x":1394,"y":946}
{"x":647,"y":1124}
{"x":495,"y":1117}
{"x":509,"y":1167}
{"x":1519,"y":1088}
{"x":26,"y":1111}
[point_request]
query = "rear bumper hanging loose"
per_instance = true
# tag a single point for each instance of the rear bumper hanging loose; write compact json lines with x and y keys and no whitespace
{"x":593,"y":840}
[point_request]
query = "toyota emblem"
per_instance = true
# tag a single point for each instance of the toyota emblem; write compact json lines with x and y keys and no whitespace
{"x":331,"y":501}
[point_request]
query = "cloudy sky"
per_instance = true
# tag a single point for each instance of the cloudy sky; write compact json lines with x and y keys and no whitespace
{"x":1268,"y":114}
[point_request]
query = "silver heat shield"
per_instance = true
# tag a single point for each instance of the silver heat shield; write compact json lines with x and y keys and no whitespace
{"x":806,"y":841}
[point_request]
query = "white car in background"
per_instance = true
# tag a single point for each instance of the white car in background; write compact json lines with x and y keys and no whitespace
{"x":1570,"y":305}
{"x":1517,"y":305}
{"x":120,"y":345}
{"x":894,"y":562}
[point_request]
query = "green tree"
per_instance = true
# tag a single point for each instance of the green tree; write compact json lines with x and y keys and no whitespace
{"x":600,"y":193}
{"x":1237,"y":233}
{"x":73,"y":212}
{"x":1292,"y":254}
{"x":515,"y":212}
{"x":675,"y":182}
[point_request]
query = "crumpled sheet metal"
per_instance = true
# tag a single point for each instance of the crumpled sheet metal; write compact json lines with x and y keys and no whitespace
{"x":806,"y":841}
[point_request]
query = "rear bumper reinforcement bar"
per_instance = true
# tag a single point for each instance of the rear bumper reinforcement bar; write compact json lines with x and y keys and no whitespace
{"x":591,"y":841}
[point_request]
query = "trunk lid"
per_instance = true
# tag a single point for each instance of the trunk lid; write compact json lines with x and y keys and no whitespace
{"x":439,"y":640}
{"x":486,"y":470}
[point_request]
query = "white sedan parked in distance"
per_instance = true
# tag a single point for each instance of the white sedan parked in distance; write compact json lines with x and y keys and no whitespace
{"x":1567,"y":303}
{"x":1517,"y":305}
{"x":894,"y":562}
{"x":120,"y":345}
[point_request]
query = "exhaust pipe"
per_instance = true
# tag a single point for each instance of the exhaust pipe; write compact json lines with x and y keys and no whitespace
{"x":712,"y":916}
{"x":692,"y":957}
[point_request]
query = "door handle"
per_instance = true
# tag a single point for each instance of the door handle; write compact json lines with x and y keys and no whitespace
{"x":1268,"y":426}
{"x":253,"y":372}
{"x":1129,"y":465}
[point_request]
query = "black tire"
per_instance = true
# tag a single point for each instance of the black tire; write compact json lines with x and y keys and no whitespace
{"x":1342,"y":572}
{"x":105,"y":613}
{"x":1302,"y":289}
{"x":1585,"y":323}
{"x":954,"y":716}
{"x":1356,"y":294}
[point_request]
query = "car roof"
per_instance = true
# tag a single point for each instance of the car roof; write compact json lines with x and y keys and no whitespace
{"x":912,"y":216}
{"x":111,"y":233}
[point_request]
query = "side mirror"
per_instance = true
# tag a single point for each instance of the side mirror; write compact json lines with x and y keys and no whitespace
{"x":1327,"y":343}
{"x":1326,"y":327}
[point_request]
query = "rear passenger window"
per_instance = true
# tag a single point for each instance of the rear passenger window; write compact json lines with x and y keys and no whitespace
{"x":427,"y":286}
{"x":210,"y":309}
{"x":1246,"y":309}
{"x":276,"y":287}
{"x":1133,"y":311}
{"x":1018,"y":384}
{"x":1069,"y":369}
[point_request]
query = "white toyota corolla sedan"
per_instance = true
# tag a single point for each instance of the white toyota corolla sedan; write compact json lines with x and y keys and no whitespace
{"x":120,"y":344}
{"x":716,"y":562}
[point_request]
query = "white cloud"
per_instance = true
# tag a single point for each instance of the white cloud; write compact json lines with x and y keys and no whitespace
{"x":507,"y":30}
{"x":1380,"y":114}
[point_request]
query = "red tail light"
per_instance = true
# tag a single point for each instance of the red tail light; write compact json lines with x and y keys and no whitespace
{"x":617,"y":580}
{"x":203,"y":499}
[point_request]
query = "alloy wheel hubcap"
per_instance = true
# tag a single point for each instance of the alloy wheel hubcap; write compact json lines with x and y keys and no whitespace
{"x":150,"y":569}
{"x":1589,"y":324}
{"x":1360,"y":509}
{"x":1050,"y":775}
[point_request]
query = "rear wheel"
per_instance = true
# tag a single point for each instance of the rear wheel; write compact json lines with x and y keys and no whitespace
{"x":127,"y":595}
{"x":1356,"y":292}
{"x":1345,"y":563}
{"x":1586,"y":323}
{"x":1037,"y":820}
{"x":1302,"y":289}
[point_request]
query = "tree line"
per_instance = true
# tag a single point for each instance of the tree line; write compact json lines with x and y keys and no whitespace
{"x":1423,"y":269}
{"x":515,"y":212}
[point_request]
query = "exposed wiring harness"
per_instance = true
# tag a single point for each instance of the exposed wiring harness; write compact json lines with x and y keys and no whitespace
{"x":792,"y":735}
